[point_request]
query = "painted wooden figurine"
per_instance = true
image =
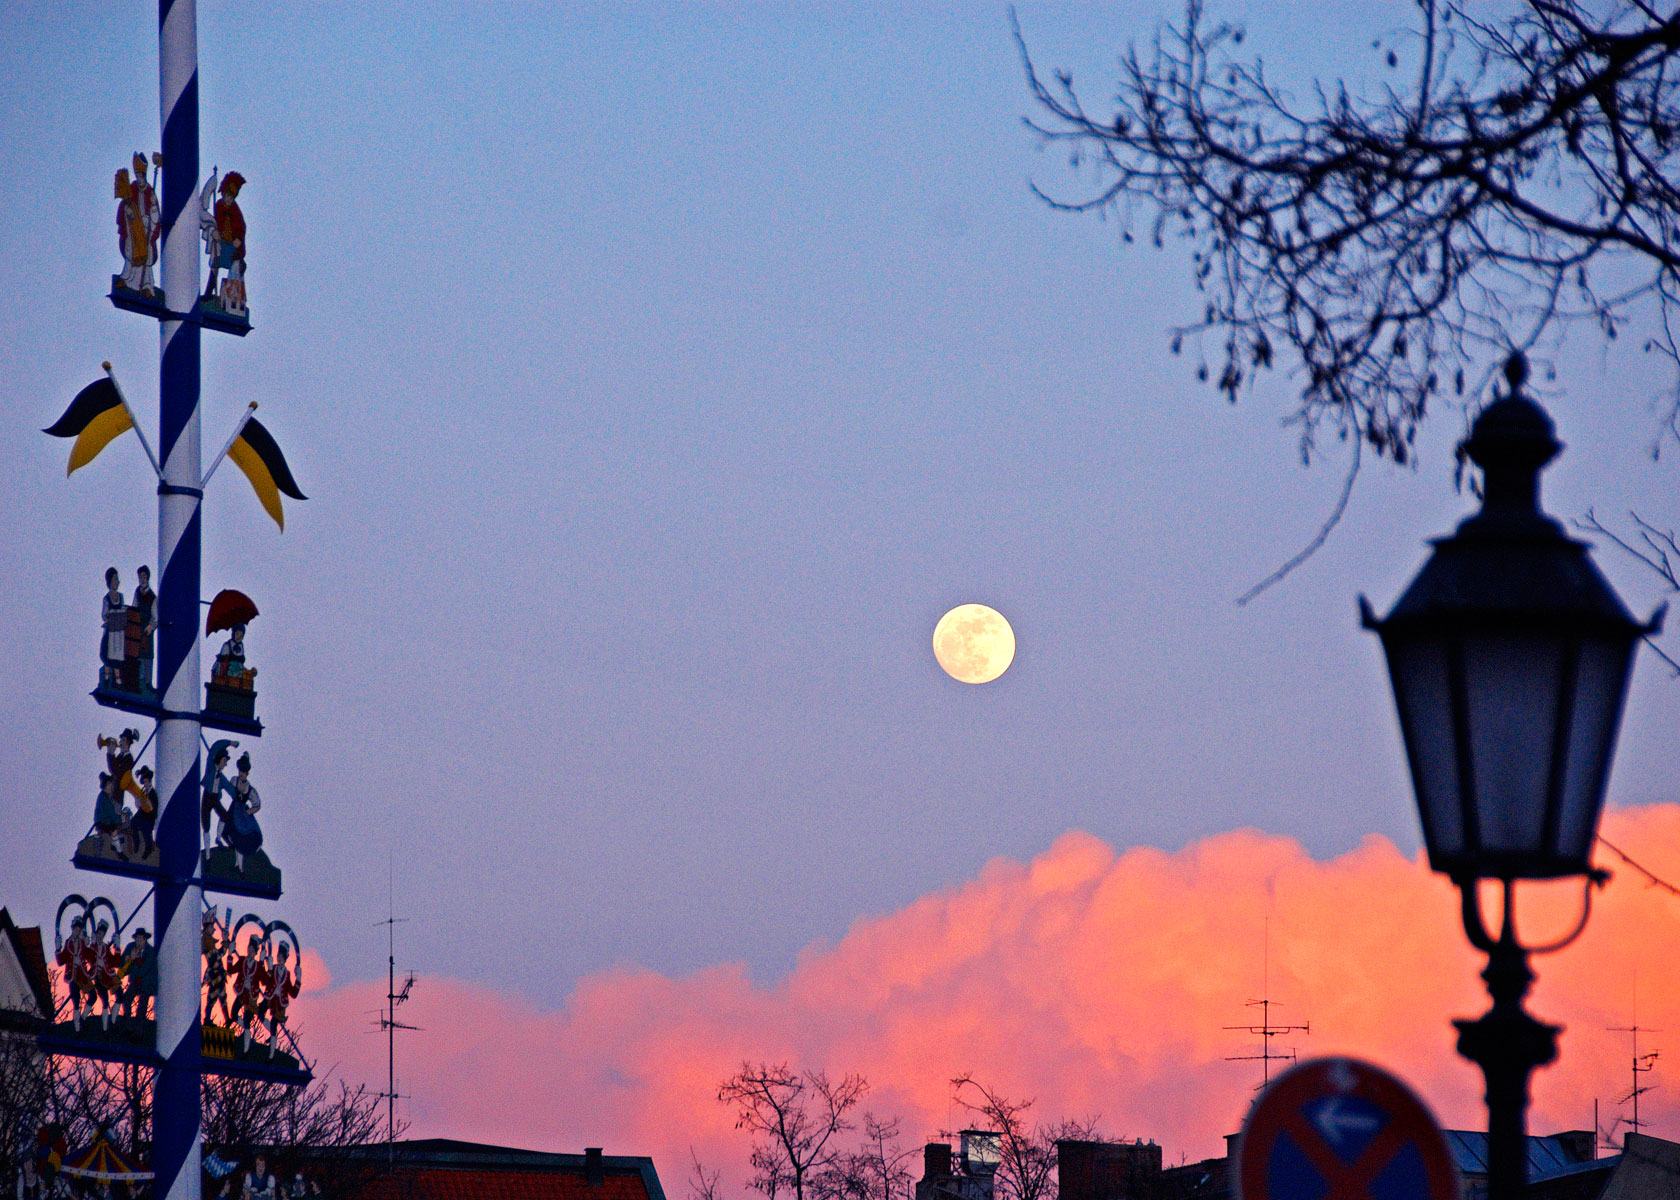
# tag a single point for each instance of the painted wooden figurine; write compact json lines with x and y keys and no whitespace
{"x":236,"y":852}
{"x":142,"y":842}
{"x":267,"y":976}
{"x":71,"y":954}
{"x":91,"y":967}
{"x":219,"y":958}
{"x":140,"y":975}
{"x":120,"y":832}
{"x":251,"y":981}
{"x":214,"y":783}
{"x":128,"y":635}
{"x":139,"y":226}
{"x":230,"y":669}
{"x":143,"y":623}
{"x":119,"y":759}
{"x":107,"y":818}
{"x":232,"y":690}
{"x":107,"y":971}
{"x":223,"y":227}
{"x":240,"y":830}
{"x":113,"y":616}
{"x":283,"y":987}
{"x":260,"y":1182}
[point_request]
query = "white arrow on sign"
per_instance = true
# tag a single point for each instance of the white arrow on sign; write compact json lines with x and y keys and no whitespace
{"x":1336,"y":1122}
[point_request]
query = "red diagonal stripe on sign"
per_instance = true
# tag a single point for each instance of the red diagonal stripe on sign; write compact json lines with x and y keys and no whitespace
{"x":1347,"y":1181}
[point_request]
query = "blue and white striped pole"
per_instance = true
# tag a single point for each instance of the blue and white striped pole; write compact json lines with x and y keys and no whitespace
{"x":176,"y":1106}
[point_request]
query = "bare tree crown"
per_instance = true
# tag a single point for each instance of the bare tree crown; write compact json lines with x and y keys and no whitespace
{"x":1514,"y":180}
{"x":1027,"y":1152}
{"x":795,"y":1117}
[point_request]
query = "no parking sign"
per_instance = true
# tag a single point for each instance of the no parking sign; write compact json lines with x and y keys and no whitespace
{"x":1341,"y":1129}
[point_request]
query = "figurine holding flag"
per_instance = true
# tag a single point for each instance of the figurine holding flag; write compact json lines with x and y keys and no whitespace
{"x":223,"y":227}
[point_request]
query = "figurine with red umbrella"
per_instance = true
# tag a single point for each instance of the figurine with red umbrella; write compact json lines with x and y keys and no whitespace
{"x":232,"y":687}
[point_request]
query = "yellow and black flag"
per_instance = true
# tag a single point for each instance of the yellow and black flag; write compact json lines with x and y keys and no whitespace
{"x":95,"y":418}
{"x":256,"y":454}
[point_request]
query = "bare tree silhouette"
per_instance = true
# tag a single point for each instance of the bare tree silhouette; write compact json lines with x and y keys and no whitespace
{"x":1515,"y":181}
{"x":795,"y":1117}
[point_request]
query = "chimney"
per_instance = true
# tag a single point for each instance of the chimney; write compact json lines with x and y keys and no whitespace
{"x":1076,"y":1169}
{"x":1580,"y":1145}
{"x":593,"y":1171}
{"x":936,"y":1160}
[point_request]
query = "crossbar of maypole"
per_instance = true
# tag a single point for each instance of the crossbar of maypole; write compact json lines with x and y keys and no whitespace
{"x":177,"y":1105}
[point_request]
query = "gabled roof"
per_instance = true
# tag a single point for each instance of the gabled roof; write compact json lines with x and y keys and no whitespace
{"x":1648,"y":1167}
{"x":1547,"y":1156}
{"x":26,"y":946}
{"x":445,"y":1169}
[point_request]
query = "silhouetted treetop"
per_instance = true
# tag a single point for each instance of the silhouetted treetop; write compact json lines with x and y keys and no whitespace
{"x":1513,"y":180}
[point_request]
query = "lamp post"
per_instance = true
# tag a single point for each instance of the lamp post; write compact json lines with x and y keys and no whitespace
{"x":1509,"y":655}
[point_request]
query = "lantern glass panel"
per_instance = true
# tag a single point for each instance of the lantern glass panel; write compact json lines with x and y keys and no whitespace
{"x":1511,"y":688}
{"x":1600,"y":681}
{"x":1423,"y":694}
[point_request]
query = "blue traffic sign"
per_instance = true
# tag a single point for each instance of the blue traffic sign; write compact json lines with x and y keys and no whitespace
{"x":1341,"y":1129}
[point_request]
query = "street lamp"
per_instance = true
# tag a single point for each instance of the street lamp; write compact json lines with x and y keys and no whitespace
{"x":1510,"y":656}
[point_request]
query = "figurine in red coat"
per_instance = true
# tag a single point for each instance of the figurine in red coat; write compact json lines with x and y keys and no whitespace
{"x":283,"y":988}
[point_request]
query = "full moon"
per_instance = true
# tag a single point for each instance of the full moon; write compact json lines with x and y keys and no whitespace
{"x":974,"y":643}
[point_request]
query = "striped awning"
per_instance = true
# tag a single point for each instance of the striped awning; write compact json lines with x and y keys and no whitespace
{"x":102,"y":1161}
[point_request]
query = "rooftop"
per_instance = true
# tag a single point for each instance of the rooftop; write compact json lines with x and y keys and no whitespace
{"x":445,"y":1169}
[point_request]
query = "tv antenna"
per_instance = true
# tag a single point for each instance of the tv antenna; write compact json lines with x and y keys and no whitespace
{"x":1641,"y":1064}
{"x":388,"y":1025}
{"x":1267,"y":1029}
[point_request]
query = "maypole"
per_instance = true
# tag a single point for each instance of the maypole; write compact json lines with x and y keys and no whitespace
{"x":178,"y":901}
{"x":156,"y":1004}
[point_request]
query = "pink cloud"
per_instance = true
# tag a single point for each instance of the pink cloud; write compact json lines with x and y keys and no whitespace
{"x":1096,"y":981}
{"x":317,"y":977}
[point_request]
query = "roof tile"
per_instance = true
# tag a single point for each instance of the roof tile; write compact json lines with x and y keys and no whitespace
{"x":434,"y":1183}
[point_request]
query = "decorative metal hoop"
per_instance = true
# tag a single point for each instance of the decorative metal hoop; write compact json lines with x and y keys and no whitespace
{"x":1476,"y":929}
{"x":116,"y":917}
{"x":262,"y":933}
{"x":75,"y":898}
{"x":278,"y":926}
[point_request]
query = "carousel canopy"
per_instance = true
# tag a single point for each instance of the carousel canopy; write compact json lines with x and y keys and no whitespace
{"x":102,"y":1161}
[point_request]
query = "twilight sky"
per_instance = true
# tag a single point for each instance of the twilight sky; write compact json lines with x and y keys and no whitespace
{"x":659,"y":375}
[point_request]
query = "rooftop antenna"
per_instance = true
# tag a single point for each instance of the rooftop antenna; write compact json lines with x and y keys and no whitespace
{"x":1641,"y":1064}
{"x":1266,"y":1030}
{"x":388,"y":1023}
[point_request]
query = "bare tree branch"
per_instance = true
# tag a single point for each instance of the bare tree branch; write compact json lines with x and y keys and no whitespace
{"x":1027,"y":1152}
{"x":702,"y":1184}
{"x":796,"y":1116}
{"x":1657,"y":550}
{"x":874,"y":1171}
{"x":1318,"y":539}
{"x":1516,"y":181}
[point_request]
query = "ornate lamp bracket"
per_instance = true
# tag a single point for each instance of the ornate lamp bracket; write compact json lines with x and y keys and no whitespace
{"x":1475,"y":928}
{"x":1506,"y":1042}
